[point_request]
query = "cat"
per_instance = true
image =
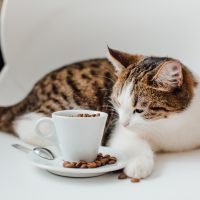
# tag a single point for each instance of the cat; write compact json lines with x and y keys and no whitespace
{"x":153,"y":105}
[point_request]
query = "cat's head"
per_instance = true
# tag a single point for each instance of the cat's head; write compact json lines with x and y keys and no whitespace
{"x":149,"y":88}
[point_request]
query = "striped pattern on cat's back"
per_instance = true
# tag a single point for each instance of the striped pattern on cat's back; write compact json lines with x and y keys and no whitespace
{"x":82,"y":85}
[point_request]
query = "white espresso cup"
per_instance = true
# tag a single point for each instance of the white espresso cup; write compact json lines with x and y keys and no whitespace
{"x":79,"y":138}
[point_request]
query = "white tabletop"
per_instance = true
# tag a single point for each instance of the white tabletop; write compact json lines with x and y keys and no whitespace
{"x":176,"y":176}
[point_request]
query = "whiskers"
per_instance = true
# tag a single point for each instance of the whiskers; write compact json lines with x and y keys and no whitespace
{"x":111,"y":109}
{"x":113,"y":81}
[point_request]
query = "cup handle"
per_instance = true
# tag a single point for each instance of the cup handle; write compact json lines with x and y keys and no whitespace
{"x":48,"y":133}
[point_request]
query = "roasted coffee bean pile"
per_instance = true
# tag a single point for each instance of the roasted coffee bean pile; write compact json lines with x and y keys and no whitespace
{"x":101,"y":160}
{"x":124,"y":176}
{"x":88,"y":115}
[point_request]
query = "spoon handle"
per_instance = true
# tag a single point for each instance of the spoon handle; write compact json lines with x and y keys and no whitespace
{"x":22,"y":148}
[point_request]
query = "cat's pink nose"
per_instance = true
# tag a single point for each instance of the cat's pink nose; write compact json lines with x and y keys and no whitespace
{"x":126,"y":123}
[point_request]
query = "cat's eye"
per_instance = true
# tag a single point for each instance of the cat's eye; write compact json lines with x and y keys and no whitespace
{"x":138,"y":111}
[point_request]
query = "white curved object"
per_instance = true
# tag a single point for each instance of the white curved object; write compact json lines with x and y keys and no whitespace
{"x":39,"y":36}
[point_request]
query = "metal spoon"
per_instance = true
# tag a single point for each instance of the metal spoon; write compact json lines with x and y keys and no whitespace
{"x":39,"y":151}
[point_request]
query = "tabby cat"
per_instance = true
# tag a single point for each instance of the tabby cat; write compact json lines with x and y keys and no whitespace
{"x":153,"y":105}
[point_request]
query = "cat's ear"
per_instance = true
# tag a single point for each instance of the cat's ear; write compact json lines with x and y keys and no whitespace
{"x":121,"y":60}
{"x":169,"y":75}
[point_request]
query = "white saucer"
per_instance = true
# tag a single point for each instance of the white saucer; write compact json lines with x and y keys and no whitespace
{"x":55,"y":166}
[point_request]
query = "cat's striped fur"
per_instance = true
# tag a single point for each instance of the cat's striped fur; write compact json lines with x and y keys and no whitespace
{"x":86,"y":85}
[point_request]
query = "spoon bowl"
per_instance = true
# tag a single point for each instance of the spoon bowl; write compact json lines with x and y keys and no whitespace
{"x":44,"y":153}
{"x":39,"y":151}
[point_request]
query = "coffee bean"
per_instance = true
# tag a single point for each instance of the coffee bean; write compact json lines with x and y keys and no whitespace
{"x":91,"y":165}
{"x":69,"y":165}
{"x":111,"y":162}
{"x":113,"y":158}
{"x":98,"y":163}
{"x":83,"y":166}
{"x":107,"y":156}
{"x":122,"y":176}
{"x":103,"y":161}
{"x":87,"y":115}
{"x":74,"y":163}
{"x":78,"y":164}
{"x":135,"y":180}
{"x":66,"y":162}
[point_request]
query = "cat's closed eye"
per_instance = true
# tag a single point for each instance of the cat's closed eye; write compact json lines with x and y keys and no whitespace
{"x":138,"y":111}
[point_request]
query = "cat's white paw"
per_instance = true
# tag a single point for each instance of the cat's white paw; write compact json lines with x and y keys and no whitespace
{"x":139,"y":167}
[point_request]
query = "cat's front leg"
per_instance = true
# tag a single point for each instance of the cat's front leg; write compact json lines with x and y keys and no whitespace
{"x":140,"y":155}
